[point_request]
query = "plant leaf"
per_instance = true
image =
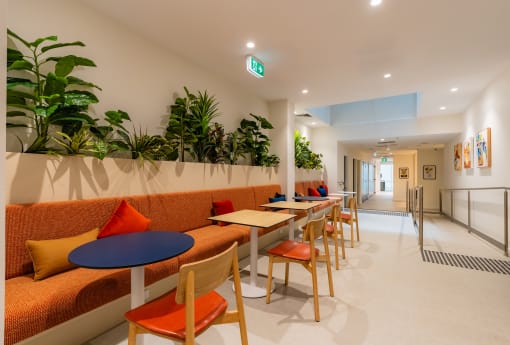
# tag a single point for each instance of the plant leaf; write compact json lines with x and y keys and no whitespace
{"x":77,"y":81}
{"x":79,"y":98}
{"x":55,"y":85}
{"x":13,"y":82}
{"x":13,"y":55}
{"x":59,"y":45}
{"x":13,"y":34}
{"x":38,"y":41}
{"x":20,"y":65}
{"x":18,"y":95}
{"x":14,"y":113}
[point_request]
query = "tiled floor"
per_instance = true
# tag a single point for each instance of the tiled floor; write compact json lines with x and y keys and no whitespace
{"x":384,"y":294}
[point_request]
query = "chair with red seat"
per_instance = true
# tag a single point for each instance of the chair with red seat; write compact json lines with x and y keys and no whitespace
{"x":193,"y":306}
{"x":305,"y":254}
{"x":351,"y":218}
{"x":333,"y":231}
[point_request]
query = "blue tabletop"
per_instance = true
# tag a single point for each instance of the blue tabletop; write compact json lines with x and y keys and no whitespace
{"x":132,"y":249}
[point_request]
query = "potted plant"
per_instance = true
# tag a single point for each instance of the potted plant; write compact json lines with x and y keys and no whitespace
{"x":255,"y":142}
{"x":303,"y":155}
{"x":42,"y":93}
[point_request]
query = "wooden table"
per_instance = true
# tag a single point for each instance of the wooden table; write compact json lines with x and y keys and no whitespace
{"x":254,"y":219}
{"x":292,"y":206}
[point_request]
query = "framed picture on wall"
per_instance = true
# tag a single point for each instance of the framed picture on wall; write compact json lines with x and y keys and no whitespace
{"x":457,"y":156}
{"x":483,"y":148}
{"x":403,"y":173}
{"x":467,"y":150}
{"x":429,"y":172}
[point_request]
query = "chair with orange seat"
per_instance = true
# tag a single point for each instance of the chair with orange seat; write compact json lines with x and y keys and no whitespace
{"x":193,"y":306}
{"x":334,"y":229}
{"x":305,"y":254}
{"x":351,"y":218}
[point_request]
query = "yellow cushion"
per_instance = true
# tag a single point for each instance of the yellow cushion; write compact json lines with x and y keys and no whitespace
{"x":49,"y":257}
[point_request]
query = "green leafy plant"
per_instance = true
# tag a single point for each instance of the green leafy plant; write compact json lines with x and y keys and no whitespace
{"x":303,"y":155}
{"x":234,"y":148}
{"x":42,"y":93}
{"x":255,"y":143}
{"x":179,"y":132}
{"x":204,"y":108}
{"x":79,"y":143}
{"x":216,"y":144}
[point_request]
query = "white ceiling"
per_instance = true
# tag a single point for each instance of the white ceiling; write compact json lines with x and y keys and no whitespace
{"x":338,"y":49}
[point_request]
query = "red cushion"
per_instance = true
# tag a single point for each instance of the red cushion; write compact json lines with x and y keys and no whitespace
{"x":313,"y":192}
{"x":123,"y":220}
{"x":223,"y":207}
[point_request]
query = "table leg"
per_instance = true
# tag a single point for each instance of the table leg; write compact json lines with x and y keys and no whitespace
{"x":251,"y":289}
{"x":138,"y":292}
{"x":291,"y":227}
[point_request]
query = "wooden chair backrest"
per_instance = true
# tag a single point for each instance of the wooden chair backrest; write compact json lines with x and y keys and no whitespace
{"x":208,"y":273}
{"x":335,"y":212}
{"x":314,"y":229}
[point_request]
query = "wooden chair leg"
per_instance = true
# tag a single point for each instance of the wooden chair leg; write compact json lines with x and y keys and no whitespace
{"x":357,"y":229}
{"x":286,"y":274}
{"x":132,"y":334}
{"x":342,"y":239}
{"x":335,"y":240}
{"x":269,"y":279}
{"x":352,"y":234}
{"x":315,"y":294}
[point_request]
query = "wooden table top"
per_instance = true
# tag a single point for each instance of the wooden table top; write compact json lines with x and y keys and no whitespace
{"x":293,"y":205}
{"x":260,"y":219}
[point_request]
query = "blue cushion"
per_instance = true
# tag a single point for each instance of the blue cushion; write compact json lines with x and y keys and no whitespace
{"x":322,"y":191}
{"x":280,"y":198}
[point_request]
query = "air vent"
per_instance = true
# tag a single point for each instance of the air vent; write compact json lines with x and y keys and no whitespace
{"x":304,"y":115}
{"x":388,"y":142}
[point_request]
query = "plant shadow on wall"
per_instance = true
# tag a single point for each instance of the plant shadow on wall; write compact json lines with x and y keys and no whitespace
{"x":304,"y":157}
{"x":54,"y":107}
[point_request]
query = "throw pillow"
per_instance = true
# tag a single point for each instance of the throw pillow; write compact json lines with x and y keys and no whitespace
{"x":313,"y":192}
{"x":124,"y":219}
{"x":49,"y":257}
{"x":222,"y":207}
{"x":275,"y":199}
{"x":278,"y":195}
{"x":322,"y":191}
{"x":325,"y":186}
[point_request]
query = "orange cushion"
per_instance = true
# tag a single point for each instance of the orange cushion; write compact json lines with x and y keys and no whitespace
{"x":164,"y":316}
{"x":49,"y":257}
{"x":123,"y":220}
{"x":293,"y":250}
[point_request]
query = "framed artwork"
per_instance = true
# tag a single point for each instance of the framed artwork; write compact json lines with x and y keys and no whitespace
{"x":403,"y":173}
{"x":457,"y":156}
{"x":483,"y":148}
{"x":467,"y":150}
{"x":429,"y":172}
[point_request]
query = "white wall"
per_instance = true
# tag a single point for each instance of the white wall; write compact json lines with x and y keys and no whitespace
{"x":135,"y":75}
{"x":430,"y":187}
{"x":492,"y":110}
{"x":323,"y":141}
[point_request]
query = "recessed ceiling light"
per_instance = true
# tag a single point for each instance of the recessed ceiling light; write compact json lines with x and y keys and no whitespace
{"x":454,"y":89}
{"x":387,"y":75}
{"x":304,"y":91}
{"x":295,"y":112}
{"x":250,"y":44}
{"x":314,"y":123}
{"x":442,"y":108}
{"x":382,"y":139}
{"x":374,"y":3}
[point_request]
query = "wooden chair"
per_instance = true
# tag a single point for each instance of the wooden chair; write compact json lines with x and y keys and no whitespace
{"x":305,"y":254}
{"x":193,"y":306}
{"x":333,"y":230}
{"x":351,"y":218}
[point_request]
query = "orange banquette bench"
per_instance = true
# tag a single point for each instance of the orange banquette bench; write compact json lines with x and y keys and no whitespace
{"x":33,"y":306}
{"x":302,"y":189}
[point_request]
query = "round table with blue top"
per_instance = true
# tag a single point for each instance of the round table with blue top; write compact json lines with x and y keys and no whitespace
{"x":133,"y":250}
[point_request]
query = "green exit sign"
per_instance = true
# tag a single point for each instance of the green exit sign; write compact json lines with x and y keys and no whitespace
{"x":255,"y":66}
{"x":384,"y":159}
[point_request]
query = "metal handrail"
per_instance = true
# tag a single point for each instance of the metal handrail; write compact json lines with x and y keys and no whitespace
{"x":468,"y":225}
